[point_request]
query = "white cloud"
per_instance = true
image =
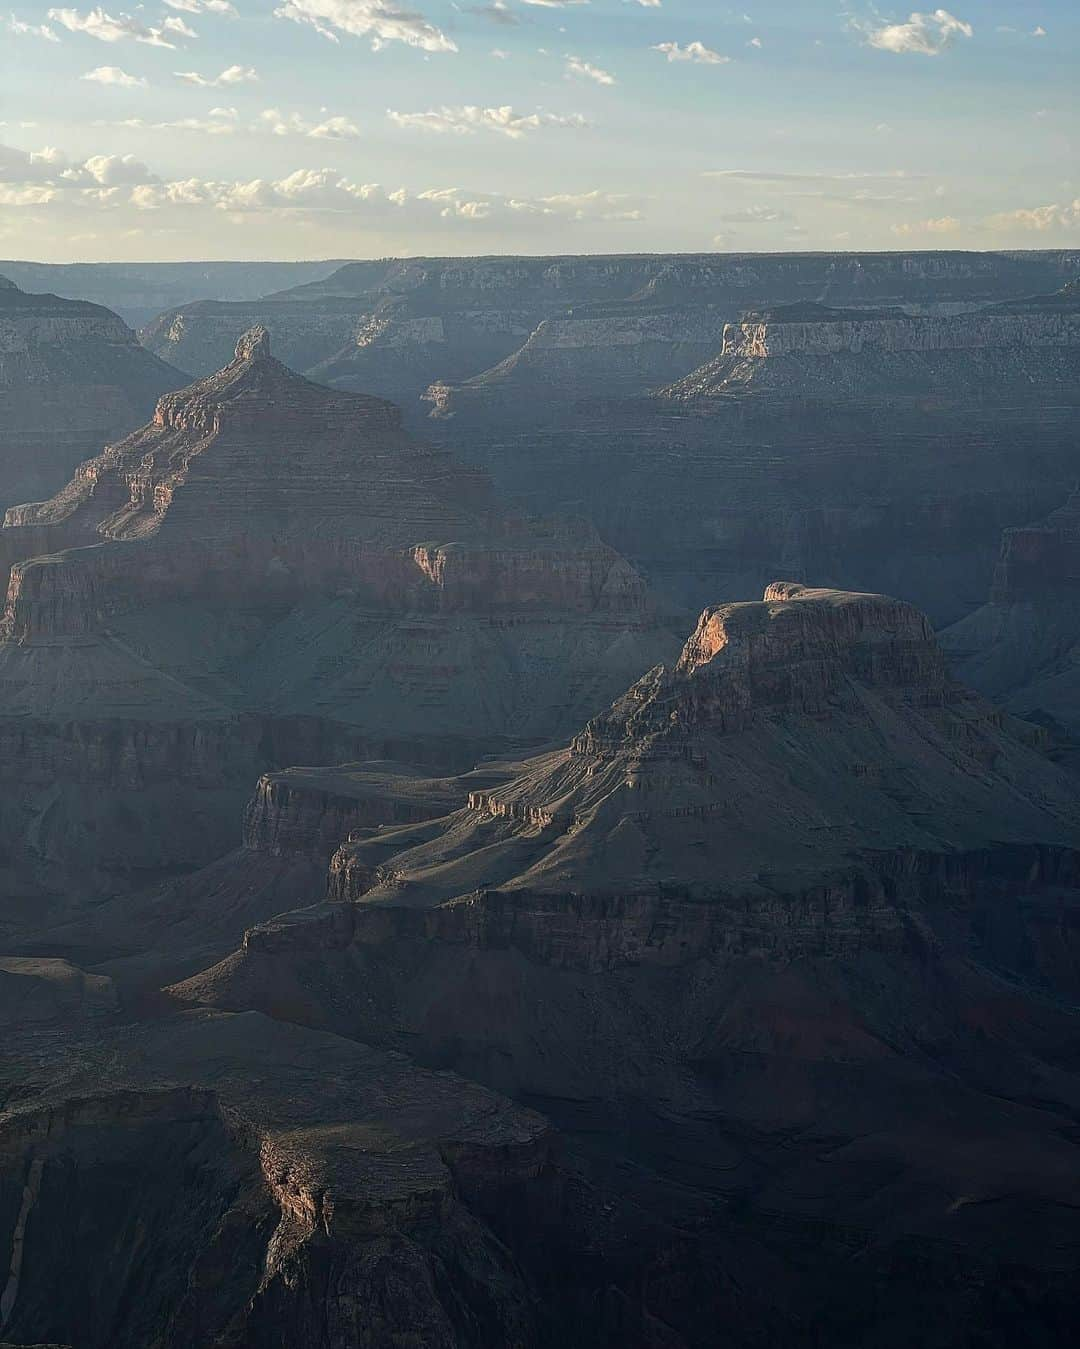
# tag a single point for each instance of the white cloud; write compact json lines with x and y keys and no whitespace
{"x":696,"y":52}
{"x":231,"y":75}
{"x":945,"y":224}
{"x":586,"y":71}
{"x":111,"y":170}
{"x":203,"y":6}
{"x":379,"y":20}
{"x":1040,"y":31}
{"x":292,"y":124}
{"x":755,"y":42}
{"x":96,"y":23}
{"x":121,"y":182}
{"x":114,"y":75}
{"x":468,"y":119}
{"x":768,"y":176}
{"x":21,"y":29}
{"x":171,"y":24}
{"x":923,"y":34}
{"x":1058,"y":216}
{"x":558,"y":4}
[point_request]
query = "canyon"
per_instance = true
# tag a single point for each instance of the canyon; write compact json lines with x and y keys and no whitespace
{"x":271,"y":572}
{"x":452,"y":893}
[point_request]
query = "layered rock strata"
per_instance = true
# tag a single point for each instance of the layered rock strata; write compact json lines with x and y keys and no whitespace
{"x":270,"y":573}
{"x":864,"y":449}
{"x":72,"y":376}
{"x":791,"y":929}
{"x":396,"y":326}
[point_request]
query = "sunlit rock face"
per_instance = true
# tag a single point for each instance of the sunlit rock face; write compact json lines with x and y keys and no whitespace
{"x":72,"y":377}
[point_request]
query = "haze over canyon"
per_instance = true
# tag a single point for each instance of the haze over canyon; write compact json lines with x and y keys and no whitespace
{"x":541,"y":802}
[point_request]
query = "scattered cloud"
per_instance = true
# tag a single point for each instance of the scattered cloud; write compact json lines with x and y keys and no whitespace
{"x":21,"y":29}
{"x":230,"y":75}
{"x":105,"y":27}
{"x":292,"y":124}
{"x":945,"y":224}
{"x":922,"y":34}
{"x":203,"y":7}
{"x":121,"y":181}
{"x":469,"y":119}
{"x":1040,"y":31}
{"x":584,"y":70}
{"x":695,"y":52}
{"x":554,"y":4}
{"x":114,"y":75}
{"x":217,"y":122}
{"x":1058,"y":216}
{"x":380,"y":20}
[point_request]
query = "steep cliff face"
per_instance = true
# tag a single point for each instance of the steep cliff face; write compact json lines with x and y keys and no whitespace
{"x":72,"y":376}
{"x":810,"y":351}
{"x":397,"y":326}
{"x":1023,"y":645}
{"x":224,"y":1180}
{"x":794,"y":924}
{"x":581,"y":359}
{"x":865,"y":449}
{"x":266,"y":558}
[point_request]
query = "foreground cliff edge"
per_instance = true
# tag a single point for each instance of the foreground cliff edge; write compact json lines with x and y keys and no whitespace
{"x":778,"y":955}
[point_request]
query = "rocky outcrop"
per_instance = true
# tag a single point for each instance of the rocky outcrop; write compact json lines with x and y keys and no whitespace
{"x":226,"y":1180}
{"x":270,"y":572}
{"x":72,"y":376}
{"x":811,"y":351}
{"x":794,"y":923}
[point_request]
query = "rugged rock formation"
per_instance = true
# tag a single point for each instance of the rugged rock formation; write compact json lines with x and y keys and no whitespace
{"x":876,"y":451}
{"x":224,"y":1180}
{"x":72,"y":376}
{"x":267,"y":573}
{"x":812,"y":351}
{"x":579,"y":359}
{"x":396,"y":326}
{"x":1023,"y":646}
{"x":791,"y":932}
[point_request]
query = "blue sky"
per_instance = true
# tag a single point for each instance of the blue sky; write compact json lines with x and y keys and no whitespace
{"x":331,"y":128}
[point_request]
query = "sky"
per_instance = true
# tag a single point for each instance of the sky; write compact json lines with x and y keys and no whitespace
{"x":246,"y":129}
